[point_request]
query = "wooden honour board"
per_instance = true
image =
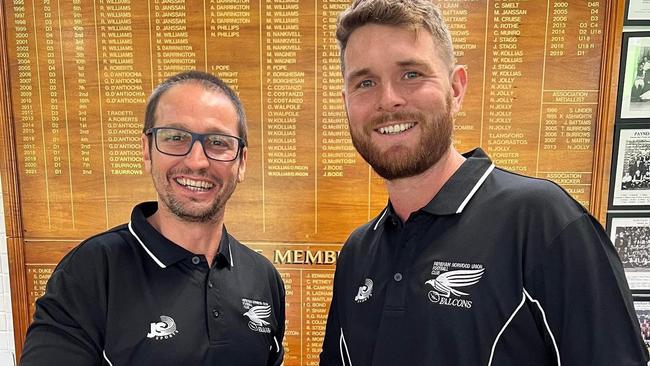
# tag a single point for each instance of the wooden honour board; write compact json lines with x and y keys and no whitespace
{"x":79,"y":73}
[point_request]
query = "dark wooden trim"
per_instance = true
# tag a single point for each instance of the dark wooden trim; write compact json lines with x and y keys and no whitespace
{"x":604,"y":134}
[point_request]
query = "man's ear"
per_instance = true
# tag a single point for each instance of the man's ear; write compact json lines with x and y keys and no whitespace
{"x":458,"y":81}
{"x":241,"y":170}
{"x":146,"y":152}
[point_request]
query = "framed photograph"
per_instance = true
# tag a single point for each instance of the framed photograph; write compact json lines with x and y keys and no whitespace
{"x":637,"y":12}
{"x":630,"y":177}
{"x":630,"y":234}
{"x":633,"y":99}
{"x":642,"y":310}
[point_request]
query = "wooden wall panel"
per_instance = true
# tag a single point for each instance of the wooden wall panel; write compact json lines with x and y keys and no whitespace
{"x":76,"y":75}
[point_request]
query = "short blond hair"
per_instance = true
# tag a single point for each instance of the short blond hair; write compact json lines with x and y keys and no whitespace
{"x":409,"y":13}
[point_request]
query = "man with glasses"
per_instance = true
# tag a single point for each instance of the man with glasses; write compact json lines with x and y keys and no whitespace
{"x":171,"y":287}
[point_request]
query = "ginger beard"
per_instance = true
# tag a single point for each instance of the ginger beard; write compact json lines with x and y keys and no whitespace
{"x":407,"y":161}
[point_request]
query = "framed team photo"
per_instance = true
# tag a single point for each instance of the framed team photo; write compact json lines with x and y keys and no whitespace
{"x":633,"y":100}
{"x":637,"y":12}
{"x":630,"y":234}
{"x":642,"y":310}
{"x":630,"y":176}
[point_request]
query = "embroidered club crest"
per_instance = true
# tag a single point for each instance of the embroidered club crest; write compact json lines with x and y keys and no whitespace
{"x":450,"y":277}
{"x":256,"y":312}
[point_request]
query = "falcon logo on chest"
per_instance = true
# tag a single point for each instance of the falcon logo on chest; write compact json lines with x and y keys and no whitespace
{"x":446,"y":286}
{"x":257,"y":312}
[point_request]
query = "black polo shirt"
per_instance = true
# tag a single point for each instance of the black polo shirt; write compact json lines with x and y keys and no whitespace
{"x":130,"y":296}
{"x":497,"y":269}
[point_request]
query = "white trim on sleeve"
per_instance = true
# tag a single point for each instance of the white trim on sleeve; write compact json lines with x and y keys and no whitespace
{"x":342,"y":345}
{"x":106,"y":358}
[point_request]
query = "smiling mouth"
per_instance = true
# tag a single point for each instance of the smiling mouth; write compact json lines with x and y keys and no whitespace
{"x":194,"y":185}
{"x":395,"y":129}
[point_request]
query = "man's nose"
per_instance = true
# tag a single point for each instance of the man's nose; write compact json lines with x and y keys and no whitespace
{"x":390,"y":98}
{"x":196,"y":158}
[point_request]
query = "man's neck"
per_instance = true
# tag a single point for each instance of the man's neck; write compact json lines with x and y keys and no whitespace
{"x":196,"y":237}
{"x":408,"y":195}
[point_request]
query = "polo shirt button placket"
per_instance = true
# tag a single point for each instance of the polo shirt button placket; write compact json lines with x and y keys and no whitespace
{"x":196,"y":260}
{"x":397,"y":277}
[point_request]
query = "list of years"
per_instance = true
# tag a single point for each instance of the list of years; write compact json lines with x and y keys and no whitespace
{"x":83,"y":71}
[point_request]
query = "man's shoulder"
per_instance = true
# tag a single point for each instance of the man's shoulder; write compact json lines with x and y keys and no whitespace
{"x":513,"y":198}
{"x":94,"y":251}
{"x":516,"y":180}
{"x":361,"y":231}
{"x":249,"y":257}
{"x":538,"y":192}
{"x":362,"y":236}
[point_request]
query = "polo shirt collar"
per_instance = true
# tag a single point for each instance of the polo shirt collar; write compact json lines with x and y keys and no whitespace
{"x":224,"y":255}
{"x":162,"y":250}
{"x":456,"y":193}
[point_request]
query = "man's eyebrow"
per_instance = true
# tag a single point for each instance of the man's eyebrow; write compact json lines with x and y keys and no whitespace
{"x":173,"y":124}
{"x":405,"y":63}
{"x":185,"y":127}
{"x":414,"y":62}
{"x":358,"y":73}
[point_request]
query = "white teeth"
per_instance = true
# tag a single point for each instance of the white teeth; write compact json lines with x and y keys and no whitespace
{"x":195,"y":185}
{"x":398,"y":128}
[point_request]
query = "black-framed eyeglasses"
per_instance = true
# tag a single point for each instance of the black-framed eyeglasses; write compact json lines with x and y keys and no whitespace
{"x":178,"y":142}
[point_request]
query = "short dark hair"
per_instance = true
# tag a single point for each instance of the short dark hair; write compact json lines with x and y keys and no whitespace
{"x":400,"y":13}
{"x":209,"y":82}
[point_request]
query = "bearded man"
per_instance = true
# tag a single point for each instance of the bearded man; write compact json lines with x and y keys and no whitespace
{"x":468,"y":264}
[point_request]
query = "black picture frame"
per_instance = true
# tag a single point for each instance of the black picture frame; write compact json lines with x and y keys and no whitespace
{"x":629,"y":232}
{"x":642,"y":309}
{"x":629,"y":187}
{"x":636,"y":13}
{"x":633,"y":97}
